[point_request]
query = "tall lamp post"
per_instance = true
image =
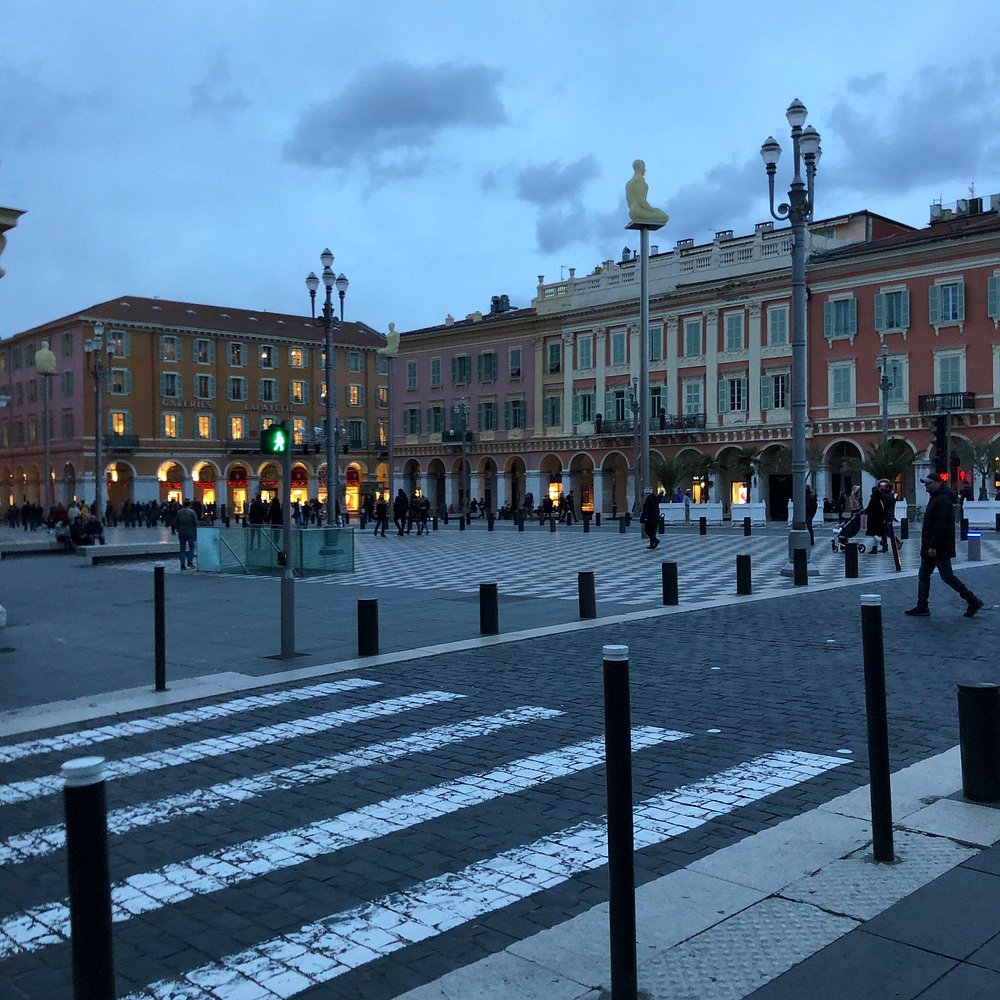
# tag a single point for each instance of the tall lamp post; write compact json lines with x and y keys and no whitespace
{"x":637,"y":472}
{"x":329,"y":321}
{"x":798,"y":210}
{"x":885,"y":384}
{"x":45,"y":365}
{"x":390,"y":351}
{"x":462,"y":407}
{"x":93,"y":347}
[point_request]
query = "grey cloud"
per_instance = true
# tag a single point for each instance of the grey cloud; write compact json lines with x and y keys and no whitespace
{"x":218,"y":95}
{"x":547,"y":183}
{"x":728,"y":194}
{"x":33,"y":113}
{"x":866,"y":85}
{"x":385,"y":115}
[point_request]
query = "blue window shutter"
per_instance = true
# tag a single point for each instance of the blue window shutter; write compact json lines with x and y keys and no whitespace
{"x":934,"y":305}
{"x":128,"y":382}
{"x":765,"y":392}
{"x":163,"y":383}
{"x":879,"y":311}
{"x":743,"y":393}
{"x":828,"y":319}
{"x":211,"y":387}
{"x":506,"y":415}
{"x":905,"y":309}
{"x":961,"y":301}
{"x":609,"y":405}
{"x":454,"y":371}
{"x":723,"y":400}
{"x":852,"y":312}
{"x":128,"y":422}
{"x":576,"y":409}
{"x":993,"y":297}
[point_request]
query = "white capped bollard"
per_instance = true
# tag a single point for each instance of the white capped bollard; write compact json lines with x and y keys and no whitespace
{"x":975,"y":541}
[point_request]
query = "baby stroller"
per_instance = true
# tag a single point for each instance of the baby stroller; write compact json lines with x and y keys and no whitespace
{"x":845,"y":532}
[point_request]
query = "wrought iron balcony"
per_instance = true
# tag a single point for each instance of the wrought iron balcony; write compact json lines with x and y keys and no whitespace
{"x":455,"y":437}
{"x":946,"y":402}
{"x":665,"y":423}
{"x":121,"y":442}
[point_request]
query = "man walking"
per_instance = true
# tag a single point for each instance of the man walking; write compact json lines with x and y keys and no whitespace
{"x":187,"y":533}
{"x":937,"y":548}
{"x":649,"y":517}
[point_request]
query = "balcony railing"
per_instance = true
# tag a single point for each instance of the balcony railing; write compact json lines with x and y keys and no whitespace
{"x":121,"y":442}
{"x":946,"y":401}
{"x":665,"y":424}
{"x":455,"y":437}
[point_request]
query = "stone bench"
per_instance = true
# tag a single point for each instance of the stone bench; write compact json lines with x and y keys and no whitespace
{"x":127,"y":550}
{"x":41,"y":546}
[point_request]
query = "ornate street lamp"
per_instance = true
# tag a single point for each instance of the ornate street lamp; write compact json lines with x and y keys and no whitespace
{"x":798,"y":210}
{"x":885,"y":384}
{"x":93,"y":347}
{"x":45,"y":365}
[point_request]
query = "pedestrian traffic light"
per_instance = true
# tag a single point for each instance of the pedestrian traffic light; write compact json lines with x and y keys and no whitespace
{"x":941,"y":443}
{"x":274,"y":440}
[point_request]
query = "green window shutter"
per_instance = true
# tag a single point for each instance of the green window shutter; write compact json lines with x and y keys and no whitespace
{"x":828,"y":319}
{"x":905,"y":309}
{"x":879,"y":311}
{"x":506,"y":415}
{"x":479,"y":416}
{"x":934,"y":305}
{"x":163,"y":383}
{"x":961,"y":301}
{"x":260,"y":390}
{"x":128,"y":382}
{"x":609,"y":405}
{"x":723,"y":399}
{"x":211,"y":387}
{"x":576,"y":409}
{"x":454,"y":371}
{"x":743,"y":393}
{"x":993,"y":297}
{"x":852,"y":313}
{"x":480,"y":367}
{"x":180,"y":425}
{"x":128,"y":422}
{"x":127,"y":345}
{"x":766,"y":384}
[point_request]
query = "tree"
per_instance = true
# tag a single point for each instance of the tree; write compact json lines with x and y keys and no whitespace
{"x":887,"y":460}
{"x":981,"y":457}
{"x":669,"y":471}
{"x":815,"y":460}
{"x":746,"y":464}
{"x":702,"y":466}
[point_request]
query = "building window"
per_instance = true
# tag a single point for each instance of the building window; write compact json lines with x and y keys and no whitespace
{"x":618,"y":348}
{"x":204,"y":387}
{"x":777,"y":326}
{"x":657,"y":401}
{"x":734,"y":331}
{"x":840,"y":318}
{"x":774,"y":391}
{"x":267,"y":356}
{"x":841,"y":385}
{"x":120,"y":342}
{"x":68,"y":429}
{"x":947,"y":302}
{"x":692,"y":338}
{"x":896,"y":370}
{"x":206,"y":426}
{"x":583,"y":407}
{"x":411,"y":374}
{"x":32,"y":391}
{"x":692,"y":396}
{"x":381,"y":364}
{"x":993,"y":297}
{"x":168,"y":348}
{"x":411,"y":420}
{"x":237,"y":355}
{"x":554,"y":349}
{"x":515,"y":362}
{"x":435,"y":418}
{"x":238,"y":427}
{"x":204,"y":352}
{"x":67,"y":345}
{"x":486,"y":415}
{"x":949,"y":373}
{"x":732,"y":393}
{"x":382,"y":397}
{"x":487,"y":367}
{"x":356,"y":434}
{"x":355,"y":395}
{"x":383,"y":434}
{"x":617,"y":404}
{"x":268,"y":390}
{"x":171,"y":425}
{"x":298,"y":391}
{"x":170,"y":385}
{"x":552,"y":411}
{"x":585,"y":353}
{"x":355,"y":361}
{"x":120,"y":422}
{"x":67,"y":383}
{"x":298,"y":430}
{"x":120,"y":382}
{"x":654,"y":337}
{"x":461,"y":370}
{"x":435,"y":374}
{"x":237,"y":387}
{"x":298,"y":357}
{"x":513,"y":414}
{"x":15,"y":358}
{"x":892,"y":310}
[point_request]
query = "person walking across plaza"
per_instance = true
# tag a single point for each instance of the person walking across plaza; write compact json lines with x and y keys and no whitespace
{"x":187,"y":533}
{"x":649,"y":517}
{"x":937,"y":549}
{"x":381,"y":515}
{"x":875,"y":514}
{"x":812,"y":505}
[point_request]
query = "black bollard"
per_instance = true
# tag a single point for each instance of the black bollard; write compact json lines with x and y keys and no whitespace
{"x":489,"y":523}
{"x":622,"y":526}
{"x":800,"y":567}
{"x":434,"y":523}
{"x":628,"y":519}
{"x":904,"y":527}
{"x":878,"y":727}
{"x":702,"y":525}
{"x":747,"y":527}
{"x":597,"y":519}
{"x":743,"y":582}
{"x":468,"y":520}
{"x":367,"y":628}
{"x":159,"y":630}
{"x":621,"y":846}
{"x":520,"y":523}
{"x":552,"y":525}
{"x":851,"y":561}
{"x":587,"y":595}
{"x":461,"y":524}
{"x":89,"y":881}
{"x":964,"y":529}
{"x":669,"y":579}
{"x":996,"y":522}
{"x":489,"y":614}
{"x":979,"y":737}
{"x":586,"y":525}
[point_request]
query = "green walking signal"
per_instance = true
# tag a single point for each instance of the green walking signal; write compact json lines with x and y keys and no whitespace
{"x":274,"y":440}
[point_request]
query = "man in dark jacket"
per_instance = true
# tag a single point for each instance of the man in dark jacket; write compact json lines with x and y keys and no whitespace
{"x":649,"y":517}
{"x":937,"y":548}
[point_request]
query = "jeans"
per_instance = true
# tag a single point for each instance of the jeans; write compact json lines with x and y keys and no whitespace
{"x":187,"y":547}
{"x":943,"y":566}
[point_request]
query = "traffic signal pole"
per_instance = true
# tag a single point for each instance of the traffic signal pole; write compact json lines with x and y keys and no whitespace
{"x":287,"y":577}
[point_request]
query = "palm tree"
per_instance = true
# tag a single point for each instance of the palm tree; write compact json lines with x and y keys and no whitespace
{"x":669,"y":471}
{"x":890,"y":460}
{"x":746,"y":464}
{"x":980,"y":456}
{"x":702,"y":466}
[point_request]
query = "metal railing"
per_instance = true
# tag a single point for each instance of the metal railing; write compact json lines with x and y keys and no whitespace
{"x":664,"y":424}
{"x":946,"y":401}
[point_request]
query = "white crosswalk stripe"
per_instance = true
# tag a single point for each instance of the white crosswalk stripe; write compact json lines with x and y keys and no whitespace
{"x":149,"y":891}
{"x":323,"y":950}
{"x":197,"y":801}
{"x":50,"y":784}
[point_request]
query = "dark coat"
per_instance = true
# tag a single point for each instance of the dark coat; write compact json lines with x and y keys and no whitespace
{"x":876,"y":516}
{"x":938,"y":530}
{"x":650,"y":513}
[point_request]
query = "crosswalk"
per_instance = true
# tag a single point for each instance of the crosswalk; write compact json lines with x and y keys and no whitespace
{"x":263,"y":846}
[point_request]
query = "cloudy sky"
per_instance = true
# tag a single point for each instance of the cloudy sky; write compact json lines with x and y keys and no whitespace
{"x":450,"y":150}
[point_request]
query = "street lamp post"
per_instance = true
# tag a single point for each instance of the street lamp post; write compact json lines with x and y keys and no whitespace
{"x":885,"y":384}
{"x":638,"y":471}
{"x":328,"y":321}
{"x":45,"y":365}
{"x":390,"y":351}
{"x":93,"y":347}
{"x":462,"y":407}
{"x":798,"y":210}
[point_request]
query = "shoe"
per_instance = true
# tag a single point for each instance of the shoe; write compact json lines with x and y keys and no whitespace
{"x":190,"y":565}
{"x":974,"y":605}
{"x":182,"y":567}
{"x":918,"y":612}
{"x":884,"y":548}
{"x":656,"y":543}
